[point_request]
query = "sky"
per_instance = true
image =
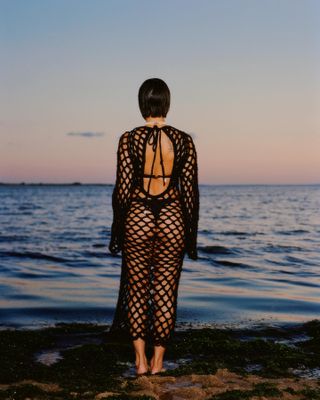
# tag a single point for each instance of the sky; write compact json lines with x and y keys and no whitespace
{"x":243,"y":76}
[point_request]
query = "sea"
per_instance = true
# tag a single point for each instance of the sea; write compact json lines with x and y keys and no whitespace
{"x":258,"y":246}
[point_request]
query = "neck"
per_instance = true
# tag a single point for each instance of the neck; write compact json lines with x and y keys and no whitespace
{"x":155,"y":120}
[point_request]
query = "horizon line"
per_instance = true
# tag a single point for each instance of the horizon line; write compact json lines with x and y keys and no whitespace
{"x":77,"y":183}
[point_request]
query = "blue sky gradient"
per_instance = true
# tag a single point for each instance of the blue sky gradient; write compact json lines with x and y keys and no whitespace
{"x":243,"y":75}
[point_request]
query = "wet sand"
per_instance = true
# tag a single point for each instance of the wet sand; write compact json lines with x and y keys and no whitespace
{"x":84,"y":361}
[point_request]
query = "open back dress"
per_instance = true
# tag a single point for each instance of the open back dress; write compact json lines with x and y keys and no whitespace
{"x":155,"y":221}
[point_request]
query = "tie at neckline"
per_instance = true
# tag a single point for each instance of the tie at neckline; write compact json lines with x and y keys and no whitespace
{"x":153,"y":139}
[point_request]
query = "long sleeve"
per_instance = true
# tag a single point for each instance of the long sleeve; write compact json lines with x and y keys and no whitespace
{"x":190,"y":197}
{"x":121,"y":193}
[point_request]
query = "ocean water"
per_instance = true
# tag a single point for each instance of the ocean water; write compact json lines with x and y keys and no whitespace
{"x":259,"y":256}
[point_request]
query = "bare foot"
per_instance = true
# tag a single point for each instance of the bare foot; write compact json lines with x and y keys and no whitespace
{"x":156,"y":367}
{"x":137,"y":362}
{"x":141,"y":367}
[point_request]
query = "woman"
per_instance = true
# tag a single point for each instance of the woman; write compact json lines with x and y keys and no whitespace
{"x":155,"y":221}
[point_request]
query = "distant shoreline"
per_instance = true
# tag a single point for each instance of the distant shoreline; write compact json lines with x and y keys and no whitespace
{"x":112,"y":184}
{"x":54,"y":184}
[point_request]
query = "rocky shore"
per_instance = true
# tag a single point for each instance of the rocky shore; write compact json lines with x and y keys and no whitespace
{"x":84,"y":361}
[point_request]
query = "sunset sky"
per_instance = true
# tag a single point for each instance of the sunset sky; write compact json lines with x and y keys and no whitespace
{"x":243,"y":75}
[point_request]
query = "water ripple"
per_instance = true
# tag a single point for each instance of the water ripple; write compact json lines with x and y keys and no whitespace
{"x":258,"y":255}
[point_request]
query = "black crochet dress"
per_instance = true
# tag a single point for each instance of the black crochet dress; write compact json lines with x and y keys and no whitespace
{"x":153,"y":231}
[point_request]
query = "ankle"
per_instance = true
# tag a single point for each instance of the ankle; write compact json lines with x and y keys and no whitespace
{"x":141,"y":359}
{"x":157,"y":358}
{"x":157,"y":363}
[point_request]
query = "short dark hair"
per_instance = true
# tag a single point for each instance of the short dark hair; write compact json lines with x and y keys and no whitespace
{"x":154,"y":98}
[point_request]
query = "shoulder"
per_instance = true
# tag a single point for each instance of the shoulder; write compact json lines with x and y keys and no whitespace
{"x":184,"y":135}
{"x":188,"y":137}
{"x":184,"y":139}
{"x":132,"y":135}
{"x":123,"y":143}
{"x":189,"y":142}
{"x":124,"y":137}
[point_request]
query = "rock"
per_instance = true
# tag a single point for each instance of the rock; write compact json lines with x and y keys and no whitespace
{"x":190,"y":393}
{"x":105,"y":395}
{"x":145,"y":392}
{"x":144,"y":383}
{"x":208,"y":381}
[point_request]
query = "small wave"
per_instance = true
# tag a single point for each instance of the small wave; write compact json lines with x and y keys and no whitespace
{"x":24,"y":296}
{"x":232,"y":264}
{"x":240,"y":233}
{"x":272,"y":248}
{"x":300,"y":261}
{"x":205,"y":231}
{"x":30,"y":275}
{"x":88,"y":253}
{"x":292,"y":282}
{"x":283,"y":271}
{"x":216,"y":250}
{"x":71,"y":237}
{"x":12,"y":238}
{"x":29,"y":207}
{"x":233,"y":233}
{"x":33,"y":255}
{"x":292,"y":232}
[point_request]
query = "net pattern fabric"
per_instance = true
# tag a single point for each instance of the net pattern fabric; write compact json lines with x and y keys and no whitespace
{"x":153,"y":231}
